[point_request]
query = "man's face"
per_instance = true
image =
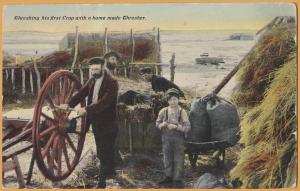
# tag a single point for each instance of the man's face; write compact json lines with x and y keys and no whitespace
{"x":111,"y":62}
{"x":173,"y":101}
{"x":96,"y":70}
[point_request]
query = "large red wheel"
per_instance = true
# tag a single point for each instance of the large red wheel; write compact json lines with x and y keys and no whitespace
{"x":56,"y":150}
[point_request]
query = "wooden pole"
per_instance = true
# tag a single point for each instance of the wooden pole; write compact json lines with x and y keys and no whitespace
{"x":31,"y":82}
{"x":30,"y":170}
{"x":13,"y":78}
{"x":172,"y":67}
{"x":105,"y":41}
{"x":75,"y":50}
{"x":81,"y":76}
{"x":130,"y":137}
{"x":231,"y":74}
{"x":132,"y":44}
{"x":23,"y":81}
{"x":6,"y":72}
{"x":19,"y":172}
{"x":38,"y":75}
{"x":158,"y":46}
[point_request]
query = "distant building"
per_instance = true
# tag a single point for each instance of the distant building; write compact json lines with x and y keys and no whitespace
{"x":241,"y":36}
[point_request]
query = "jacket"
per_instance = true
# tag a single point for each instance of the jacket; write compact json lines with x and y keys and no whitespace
{"x":101,"y":114}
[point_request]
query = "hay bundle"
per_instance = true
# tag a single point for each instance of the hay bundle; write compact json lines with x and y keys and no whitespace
{"x":267,"y":133}
{"x":140,"y":113}
{"x":267,"y":55}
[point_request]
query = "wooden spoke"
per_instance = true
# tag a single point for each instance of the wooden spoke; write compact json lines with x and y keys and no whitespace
{"x":47,"y":131}
{"x":59,"y":157}
{"x":65,"y":150}
{"x":71,"y":143}
{"x":50,"y":161}
{"x":49,"y":100}
{"x":49,"y":143}
{"x":70,"y":93}
{"x":64,"y":89}
{"x":56,"y":92}
{"x":48,"y":117}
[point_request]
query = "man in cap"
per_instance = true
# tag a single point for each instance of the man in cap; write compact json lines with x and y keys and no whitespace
{"x":174,"y":123}
{"x":159,"y":83}
{"x":102,"y":93}
{"x":111,"y":59}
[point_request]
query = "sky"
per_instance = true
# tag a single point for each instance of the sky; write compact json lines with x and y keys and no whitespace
{"x":252,"y":16}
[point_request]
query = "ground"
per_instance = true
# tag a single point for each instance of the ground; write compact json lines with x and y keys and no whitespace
{"x":138,"y":170}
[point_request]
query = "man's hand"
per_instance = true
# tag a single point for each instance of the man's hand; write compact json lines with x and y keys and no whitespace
{"x":63,"y":107}
{"x":208,"y":97}
{"x":163,"y":125}
{"x":80,"y":111}
{"x":172,"y":126}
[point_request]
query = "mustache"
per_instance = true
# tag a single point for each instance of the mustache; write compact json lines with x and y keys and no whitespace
{"x":97,"y":75}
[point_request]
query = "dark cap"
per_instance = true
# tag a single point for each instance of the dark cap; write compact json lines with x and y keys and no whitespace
{"x":172,"y":92}
{"x":96,"y":60}
{"x":112,"y":53}
{"x":146,"y":70}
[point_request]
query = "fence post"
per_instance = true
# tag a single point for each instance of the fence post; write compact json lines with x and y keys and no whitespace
{"x":6,"y":72}
{"x":172,"y":67}
{"x":31,"y":82}
{"x":23,"y":81}
{"x":158,"y":46}
{"x":38,"y":76}
{"x":133,"y":45}
{"x":76,"y":50}
{"x":13,"y":78}
{"x":105,"y":41}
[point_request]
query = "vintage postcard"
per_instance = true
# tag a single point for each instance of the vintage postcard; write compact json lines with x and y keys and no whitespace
{"x":160,"y":95}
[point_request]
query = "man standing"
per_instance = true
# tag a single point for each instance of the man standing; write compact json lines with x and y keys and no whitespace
{"x":102,"y":93}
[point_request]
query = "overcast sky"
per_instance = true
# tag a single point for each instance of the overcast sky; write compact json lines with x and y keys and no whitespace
{"x":166,"y":16}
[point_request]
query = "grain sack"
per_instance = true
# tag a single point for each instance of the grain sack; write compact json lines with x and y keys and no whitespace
{"x":210,"y":181}
{"x":224,"y":120}
{"x":200,"y":126}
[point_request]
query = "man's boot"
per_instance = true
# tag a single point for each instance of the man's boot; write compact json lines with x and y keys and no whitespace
{"x":167,"y":182}
{"x":101,"y":182}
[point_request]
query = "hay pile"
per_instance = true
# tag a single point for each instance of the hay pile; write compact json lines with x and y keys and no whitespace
{"x":268,"y":129}
{"x":267,"y":55}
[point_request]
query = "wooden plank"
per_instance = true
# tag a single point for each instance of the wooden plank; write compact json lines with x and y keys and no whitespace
{"x":6,"y":132}
{"x":21,"y":137}
{"x":18,"y":150}
{"x":15,"y":122}
{"x":19,"y":173}
{"x":8,"y":166}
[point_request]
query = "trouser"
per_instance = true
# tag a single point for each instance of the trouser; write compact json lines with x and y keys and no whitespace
{"x":173,"y":151}
{"x":105,"y":145}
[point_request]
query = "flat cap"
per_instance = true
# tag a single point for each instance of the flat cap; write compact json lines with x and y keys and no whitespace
{"x":96,"y":60}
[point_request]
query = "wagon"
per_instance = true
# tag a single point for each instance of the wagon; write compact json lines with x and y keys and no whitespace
{"x":194,"y":149}
{"x":56,"y":135}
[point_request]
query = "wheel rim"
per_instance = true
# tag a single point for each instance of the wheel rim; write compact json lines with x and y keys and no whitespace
{"x":57,"y":152}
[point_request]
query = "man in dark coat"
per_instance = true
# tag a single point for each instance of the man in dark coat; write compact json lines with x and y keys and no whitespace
{"x":159,"y":83}
{"x":102,"y":93}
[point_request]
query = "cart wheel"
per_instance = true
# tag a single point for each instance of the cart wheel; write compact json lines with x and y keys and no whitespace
{"x":57,"y":152}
